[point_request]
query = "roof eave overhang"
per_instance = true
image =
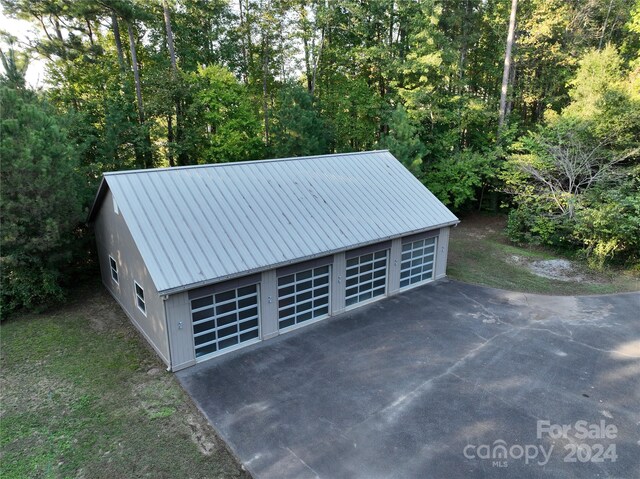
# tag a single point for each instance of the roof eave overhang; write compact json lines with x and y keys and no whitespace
{"x":97,"y":201}
{"x":207,"y":282}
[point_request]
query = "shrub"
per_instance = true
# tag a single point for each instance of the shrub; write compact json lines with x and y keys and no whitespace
{"x":608,"y":224}
{"x":456,"y":180}
{"x":39,"y":202}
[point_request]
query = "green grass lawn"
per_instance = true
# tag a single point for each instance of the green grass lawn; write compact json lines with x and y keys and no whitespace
{"x":480,"y":253}
{"x":82,"y":395}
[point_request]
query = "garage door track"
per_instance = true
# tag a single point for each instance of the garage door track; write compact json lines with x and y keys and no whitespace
{"x":447,"y":380}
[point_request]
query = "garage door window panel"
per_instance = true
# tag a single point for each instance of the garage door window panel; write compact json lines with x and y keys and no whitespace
{"x":417,"y":262}
{"x":248,"y":324}
{"x":248,"y":313}
{"x":225,"y":319}
{"x":303,"y":296}
{"x":228,"y":342}
{"x":249,"y":335}
{"x":228,"y":331}
{"x":202,"y":302}
{"x":366,"y":277}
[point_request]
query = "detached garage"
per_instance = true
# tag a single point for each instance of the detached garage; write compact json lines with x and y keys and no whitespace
{"x":207,"y":259}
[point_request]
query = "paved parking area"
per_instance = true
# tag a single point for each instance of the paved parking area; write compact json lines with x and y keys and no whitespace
{"x":429,"y":382}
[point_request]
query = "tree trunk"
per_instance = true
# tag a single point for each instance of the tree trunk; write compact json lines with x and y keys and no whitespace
{"x":62,"y":46}
{"x":307,"y":63}
{"x":148,"y":163}
{"x":245,"y":59}
{"x":463,"y":45}
{"x":140,"y":159}
{"x":167,"y":22}
{"x":247,"y":44}
{"x":604,"y":25}
{"x":316,"y":60}
{"x":391,"y":25}
{"x":507,"y":63}
{"x":89,"y":32}
{"x":170,"y":140}
{"x":118,"y":40}
{"x":179,"y":130}
{"x":265,"y":100}
{"x":512,"y":82}
{"x":136,"y":72}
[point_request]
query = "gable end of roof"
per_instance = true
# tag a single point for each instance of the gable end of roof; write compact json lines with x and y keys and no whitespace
{"x":97,"y":201}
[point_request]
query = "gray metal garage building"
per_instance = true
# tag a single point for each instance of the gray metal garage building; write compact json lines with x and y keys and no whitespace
{"x":207,"y":259}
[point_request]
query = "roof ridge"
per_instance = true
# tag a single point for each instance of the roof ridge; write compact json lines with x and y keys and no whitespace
{"x":236,"y":163}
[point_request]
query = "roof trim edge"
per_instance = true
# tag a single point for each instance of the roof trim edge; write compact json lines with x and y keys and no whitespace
{"x":97,"y":201}
{"x":208,"y":282}
{"x":237,"y":163}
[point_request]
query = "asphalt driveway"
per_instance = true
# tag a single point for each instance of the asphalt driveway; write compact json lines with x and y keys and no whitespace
{"x":447,"y":380}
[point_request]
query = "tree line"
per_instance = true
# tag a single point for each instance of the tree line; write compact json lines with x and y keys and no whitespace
{"x":531,"y":104}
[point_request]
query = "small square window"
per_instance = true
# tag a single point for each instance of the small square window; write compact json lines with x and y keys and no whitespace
{"x":140,"y":298}
{"x":114,"y":269}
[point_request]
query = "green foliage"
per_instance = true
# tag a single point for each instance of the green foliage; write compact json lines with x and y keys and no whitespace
{"x":297,"y":129}
{"x":574,"y":180}
{"x":528,"y":224}
{"x":352,"y":112}
{"x":225,"y":125}
{"x":456,"y":180}
{"x":599,"y":73}
{"x":39,"y":203}
{"x":403,"y":142}
{"x":631,"y":43}
{"x":608,"y":223}
{"x":15,"y":64}
{"x":234,"y":92}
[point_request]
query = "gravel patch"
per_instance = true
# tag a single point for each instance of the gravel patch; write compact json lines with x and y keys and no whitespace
{"x":560,"y":269}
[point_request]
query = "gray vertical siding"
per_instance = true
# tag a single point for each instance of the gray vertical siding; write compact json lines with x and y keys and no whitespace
{"x":269,"y":305}
{"x":395,"y":257}
{"x":113,"y":238}
{"x":441,"y":254}
{"x":178,"y":310}
{"x":177,"y":307}
{"x":338,"y":271}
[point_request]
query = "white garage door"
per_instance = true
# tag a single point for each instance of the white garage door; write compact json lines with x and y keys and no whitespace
{"x":303,"y":295}
{"x":225,"y":319}
{"x":366,"y":277}
{"x":417,"y":262}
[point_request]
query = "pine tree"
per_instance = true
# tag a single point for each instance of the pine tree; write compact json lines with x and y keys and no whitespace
{"x":39,"y":201}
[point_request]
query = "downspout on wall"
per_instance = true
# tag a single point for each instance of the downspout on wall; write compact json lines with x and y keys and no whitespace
{"x":164,"y":298}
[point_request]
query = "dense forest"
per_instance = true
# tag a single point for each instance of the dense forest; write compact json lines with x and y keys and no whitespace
{"x":529,"y":106}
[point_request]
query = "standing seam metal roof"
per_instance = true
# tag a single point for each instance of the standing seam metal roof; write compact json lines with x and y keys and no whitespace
{"x":202,"y":224}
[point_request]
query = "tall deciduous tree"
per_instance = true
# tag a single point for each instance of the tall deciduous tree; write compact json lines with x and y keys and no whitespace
{"x":507,"y":63}
{"x":174,"y":77}
{"x":148,"y":162}
{"x":225,"y":124}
